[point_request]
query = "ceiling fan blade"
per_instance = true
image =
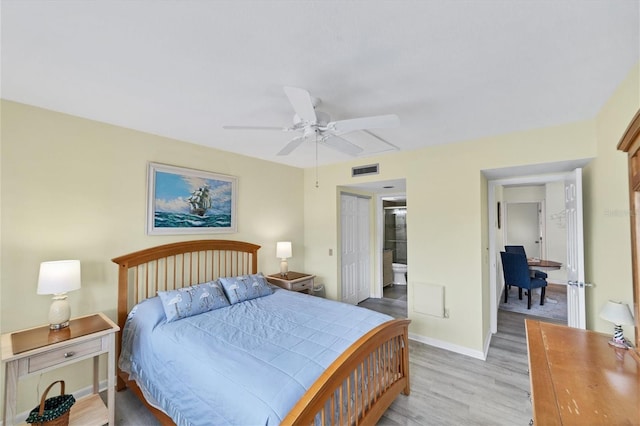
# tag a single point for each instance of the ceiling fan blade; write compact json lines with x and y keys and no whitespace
{"x":374,"y":122}
{"x":342,"y":145}
{"x":283,"y":129}
{"x":302,"y":104}
{"x":293,"y":144}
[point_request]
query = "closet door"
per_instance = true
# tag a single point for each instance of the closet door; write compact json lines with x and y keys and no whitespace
{"x":355,"y":248}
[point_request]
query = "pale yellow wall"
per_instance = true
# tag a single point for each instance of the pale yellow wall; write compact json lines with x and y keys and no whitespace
{"x":607,"y":223}
{"x":75,"y":188}
{"x":447,"y":198}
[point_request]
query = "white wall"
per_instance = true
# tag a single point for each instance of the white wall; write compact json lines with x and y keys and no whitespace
{"x":556,"y":230}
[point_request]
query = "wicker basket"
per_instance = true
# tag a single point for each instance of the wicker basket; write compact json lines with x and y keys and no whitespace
{"x":53,"y":411}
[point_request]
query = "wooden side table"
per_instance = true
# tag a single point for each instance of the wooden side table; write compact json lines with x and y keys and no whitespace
{"x":294,"y":281}
{"x":36,"y":350}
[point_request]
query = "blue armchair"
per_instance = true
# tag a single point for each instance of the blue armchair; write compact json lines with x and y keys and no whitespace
{"x":516,"y":273}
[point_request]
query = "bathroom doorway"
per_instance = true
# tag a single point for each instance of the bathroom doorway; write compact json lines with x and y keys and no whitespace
{"x":394,"y":257}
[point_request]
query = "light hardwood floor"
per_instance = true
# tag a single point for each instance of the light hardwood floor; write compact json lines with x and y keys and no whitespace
{"x":446,"y":388}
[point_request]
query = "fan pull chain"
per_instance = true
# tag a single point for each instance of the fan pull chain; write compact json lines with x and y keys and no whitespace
{"x":317,"y":186}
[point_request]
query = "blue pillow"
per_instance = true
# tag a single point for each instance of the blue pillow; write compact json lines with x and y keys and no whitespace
{"x":245,"y":287}
{"x":194,"y":300}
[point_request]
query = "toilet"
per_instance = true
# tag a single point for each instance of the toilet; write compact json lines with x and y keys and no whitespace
{"x":399,"y":271}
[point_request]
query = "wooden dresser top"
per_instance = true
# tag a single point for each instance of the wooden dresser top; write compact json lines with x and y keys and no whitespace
{"x":577,"y":378}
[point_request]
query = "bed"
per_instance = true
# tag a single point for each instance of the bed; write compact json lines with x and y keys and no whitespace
{"x":302,"y":362}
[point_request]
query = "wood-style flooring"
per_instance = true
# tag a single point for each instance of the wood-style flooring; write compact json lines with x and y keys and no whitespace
{"x":446,"y":388}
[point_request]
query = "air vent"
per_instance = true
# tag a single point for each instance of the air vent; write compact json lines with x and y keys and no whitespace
{"x":371,"y":169}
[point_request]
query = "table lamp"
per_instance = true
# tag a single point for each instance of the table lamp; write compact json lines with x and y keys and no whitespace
{"x":619,"y":314}
{"x":283,"y":251}
{"x":57,"y":278}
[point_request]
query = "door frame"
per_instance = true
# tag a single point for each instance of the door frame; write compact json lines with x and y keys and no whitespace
{"x":494,"y":291}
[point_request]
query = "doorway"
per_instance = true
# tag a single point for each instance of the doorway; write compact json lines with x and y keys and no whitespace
{"x":564,"y":175}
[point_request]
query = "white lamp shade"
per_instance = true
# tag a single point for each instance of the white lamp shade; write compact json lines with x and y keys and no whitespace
{"x":283,"y":249}
{"x":617,"y":312}
{"x":59,"y":276}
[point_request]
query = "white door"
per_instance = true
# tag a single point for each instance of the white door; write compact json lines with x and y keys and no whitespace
{"x":355,"y":271}
{"x":576,"y":315}
{"x":523,"y":227}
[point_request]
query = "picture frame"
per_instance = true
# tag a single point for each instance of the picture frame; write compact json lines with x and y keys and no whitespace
{"x":187,"y":201}
{"x":499,"y":215}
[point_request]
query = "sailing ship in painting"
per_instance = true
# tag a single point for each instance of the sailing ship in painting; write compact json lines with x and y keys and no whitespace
{"x":200,"y":200}
{"x":184,"y":201}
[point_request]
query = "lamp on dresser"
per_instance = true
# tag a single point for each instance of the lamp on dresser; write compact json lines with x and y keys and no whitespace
{"x":619,"y":314}
{"x":57,"y":278}
{"x":283,"y":251}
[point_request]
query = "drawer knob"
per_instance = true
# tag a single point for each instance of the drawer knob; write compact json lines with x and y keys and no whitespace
{"x":69,"y":354}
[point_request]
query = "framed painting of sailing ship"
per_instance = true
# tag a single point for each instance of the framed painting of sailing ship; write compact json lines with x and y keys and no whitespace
{"x":187,"y":201}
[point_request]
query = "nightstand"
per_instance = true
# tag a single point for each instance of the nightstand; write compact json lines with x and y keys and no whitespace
{"x":294,"y":281}
{"x":36,"y":350}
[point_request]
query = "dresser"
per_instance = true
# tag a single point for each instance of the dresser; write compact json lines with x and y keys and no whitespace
{"x":37,"y":350}
{"x":577,"y":378}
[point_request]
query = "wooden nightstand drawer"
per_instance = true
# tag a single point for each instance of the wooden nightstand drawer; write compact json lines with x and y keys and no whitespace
{"x":57,"y":356}
{"x":302,"y":285}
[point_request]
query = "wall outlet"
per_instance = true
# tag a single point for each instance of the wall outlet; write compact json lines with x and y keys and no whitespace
{"x":330,"y":252}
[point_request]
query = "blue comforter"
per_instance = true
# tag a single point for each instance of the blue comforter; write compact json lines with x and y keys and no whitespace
{"x":246,"y":364}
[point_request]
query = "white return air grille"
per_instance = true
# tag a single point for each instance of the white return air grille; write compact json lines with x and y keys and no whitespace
{"x":371,"y":169}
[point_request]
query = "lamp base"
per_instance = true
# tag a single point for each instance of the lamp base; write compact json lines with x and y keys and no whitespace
{"x":59,"y":312}
{"x":618,"y":343}
{"x":284,"y":268}
{"x":57,"y":327}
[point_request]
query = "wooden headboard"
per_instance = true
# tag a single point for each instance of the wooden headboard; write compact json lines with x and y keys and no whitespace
{"x":167,"y":267}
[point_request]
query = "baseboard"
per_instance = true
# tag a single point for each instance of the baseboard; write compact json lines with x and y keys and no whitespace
{"x":449,"y":346}
{"x":21,"y":417}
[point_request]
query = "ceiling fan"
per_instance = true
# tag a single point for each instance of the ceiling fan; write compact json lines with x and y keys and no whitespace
{"x":318,"y":124}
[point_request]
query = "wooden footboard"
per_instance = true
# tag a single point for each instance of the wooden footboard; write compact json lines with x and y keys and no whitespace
{"x":360,"y":384}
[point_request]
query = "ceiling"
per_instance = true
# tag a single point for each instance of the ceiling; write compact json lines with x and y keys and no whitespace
{"x":452,"y":70}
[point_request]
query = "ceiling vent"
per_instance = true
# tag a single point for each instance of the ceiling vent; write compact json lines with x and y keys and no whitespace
{"x":371,"y":169}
